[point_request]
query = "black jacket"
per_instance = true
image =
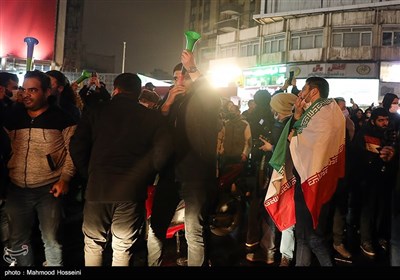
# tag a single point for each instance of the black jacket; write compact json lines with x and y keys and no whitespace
{"x":91,"y":98}
{"x":117,"y":148}
{"x":195,"y":118}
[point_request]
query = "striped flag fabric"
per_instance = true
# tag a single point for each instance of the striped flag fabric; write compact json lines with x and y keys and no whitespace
{"x":317,"y":151}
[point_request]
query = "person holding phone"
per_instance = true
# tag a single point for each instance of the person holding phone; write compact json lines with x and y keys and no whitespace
{"x":281,"y":106}
{"x":308,"y":160}
{"x":291,"y":81}
{"x":94,"y":92}
{"x":375,"y":156}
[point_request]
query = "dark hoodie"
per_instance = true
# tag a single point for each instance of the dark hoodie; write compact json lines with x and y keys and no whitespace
{"x":394,"y":118}
{"x":261,"y":121}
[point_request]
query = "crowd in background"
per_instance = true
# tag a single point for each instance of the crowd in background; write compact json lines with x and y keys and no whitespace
{"x":58,"y":137}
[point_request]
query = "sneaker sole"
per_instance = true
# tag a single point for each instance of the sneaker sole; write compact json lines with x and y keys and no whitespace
{"x":343,"y":260}
{"x":346,"y":256}
{"x":370,"y":254}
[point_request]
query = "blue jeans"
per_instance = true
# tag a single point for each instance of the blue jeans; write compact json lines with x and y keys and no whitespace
{"x":196,"y":199}
{"x":166,"y":199}
{"x":196,"y":196}
{"x":123,"y":220}
{"x":4,"y":232}
{"x":21,"y":207}
{"x":309,"y":240}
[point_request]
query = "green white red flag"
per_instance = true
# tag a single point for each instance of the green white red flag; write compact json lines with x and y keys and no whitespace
{"x":317,"y":150}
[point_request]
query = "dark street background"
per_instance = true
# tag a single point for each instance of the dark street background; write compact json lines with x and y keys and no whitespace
{"x":152,"y":29}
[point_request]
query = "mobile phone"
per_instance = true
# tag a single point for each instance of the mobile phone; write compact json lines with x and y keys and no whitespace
{"x":257,"y":143}
{"x":51,"y":162}
{"x":291,"y":75}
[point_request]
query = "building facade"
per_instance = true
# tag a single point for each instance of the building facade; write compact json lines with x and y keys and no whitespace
{"x":211,"y":18}
{"x":355,"y":44}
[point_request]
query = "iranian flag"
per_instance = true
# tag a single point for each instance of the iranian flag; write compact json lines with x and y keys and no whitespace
{"x":317,"y":152}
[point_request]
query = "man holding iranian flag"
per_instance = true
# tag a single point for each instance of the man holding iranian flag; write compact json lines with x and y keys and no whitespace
{"x":308,"y":161}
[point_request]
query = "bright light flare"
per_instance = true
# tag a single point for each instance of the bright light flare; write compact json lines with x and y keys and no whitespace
{"x":224,"y":75}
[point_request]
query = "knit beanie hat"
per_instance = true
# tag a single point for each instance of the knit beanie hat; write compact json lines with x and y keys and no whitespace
{"x":262,"y":97}
{"x":282,"y":103}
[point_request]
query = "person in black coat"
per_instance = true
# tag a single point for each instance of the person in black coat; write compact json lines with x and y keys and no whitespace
{"x":94,"y":92}
{"x":116,"y":148}
{"x":193,"y":110}
{"x":62,"y":94}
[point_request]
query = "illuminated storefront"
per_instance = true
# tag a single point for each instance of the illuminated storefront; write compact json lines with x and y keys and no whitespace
{"x":359,"y":81}
{"x":270,"y":78}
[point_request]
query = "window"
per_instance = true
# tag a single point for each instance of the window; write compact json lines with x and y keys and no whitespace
{"x":351,"y":37}
{"x":249,"y":48}
{"x":207,"y":5}
{"x":307,"y":40}
{"x":391,"y":38}
{"x":228,"y":51}
{"x":273,"y":44}
{"x":207,"y":54}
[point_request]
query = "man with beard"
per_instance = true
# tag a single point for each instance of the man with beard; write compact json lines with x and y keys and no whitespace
{"x":40,"y":169}
{"x":8,"y":86}
{"x":308,"y":160}
{"x":374,"y":153}
{"x":62,"y":94}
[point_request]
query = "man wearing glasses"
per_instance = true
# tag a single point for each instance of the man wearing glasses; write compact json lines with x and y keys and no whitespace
{"x":40,"y":169}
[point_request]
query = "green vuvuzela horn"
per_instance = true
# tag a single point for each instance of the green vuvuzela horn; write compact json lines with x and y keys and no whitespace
{"x":191,"y":38}
{"x":85,"y":75}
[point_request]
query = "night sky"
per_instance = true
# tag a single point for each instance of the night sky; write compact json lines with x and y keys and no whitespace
{"x":152,"y":29}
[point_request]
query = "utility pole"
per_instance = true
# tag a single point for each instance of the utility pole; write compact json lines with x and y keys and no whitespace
{"x":123,"y":58}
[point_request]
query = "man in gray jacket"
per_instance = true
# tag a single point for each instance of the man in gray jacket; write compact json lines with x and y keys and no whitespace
{"x":40,"y":169}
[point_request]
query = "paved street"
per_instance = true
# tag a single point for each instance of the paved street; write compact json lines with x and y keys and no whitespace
{"x":225,"y":251}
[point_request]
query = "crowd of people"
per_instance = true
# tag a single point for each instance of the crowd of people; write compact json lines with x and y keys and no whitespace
{"x":317,"y":165}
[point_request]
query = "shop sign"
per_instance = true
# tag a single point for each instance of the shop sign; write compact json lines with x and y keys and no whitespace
{"x":331,"y":70}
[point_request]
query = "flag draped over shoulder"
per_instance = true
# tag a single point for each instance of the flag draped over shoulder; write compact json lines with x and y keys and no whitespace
{"x":317,"y":152}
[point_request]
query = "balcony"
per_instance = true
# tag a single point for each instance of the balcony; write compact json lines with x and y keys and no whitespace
{"x":273,"y":58}
{"x":306,"y":55}
{"x":230,"y":9}
{"x":351,"y":53}
{"x":389,"y":53}
{"x":228,"y":25}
